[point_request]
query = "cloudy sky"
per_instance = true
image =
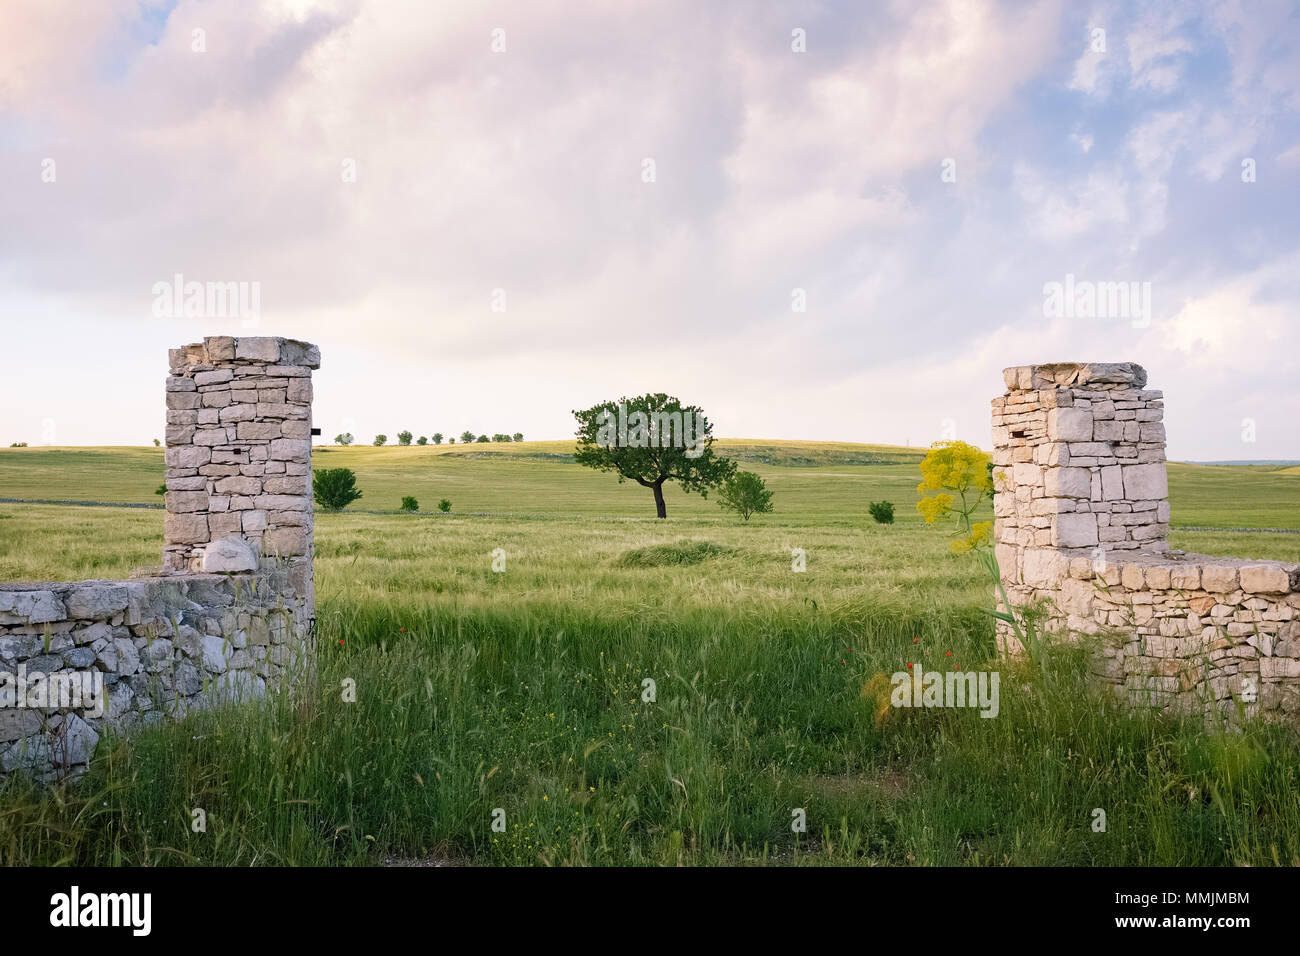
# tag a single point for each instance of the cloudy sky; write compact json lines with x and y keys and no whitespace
{"x":814,"y":219}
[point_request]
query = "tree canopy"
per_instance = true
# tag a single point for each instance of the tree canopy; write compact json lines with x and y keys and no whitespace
{"x":652,"y":439}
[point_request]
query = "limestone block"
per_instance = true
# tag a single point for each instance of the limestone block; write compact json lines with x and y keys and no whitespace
{"x":288,"y":449}
{"x":215,"y":377}
{"x":1158,"y":578}
{"x":30,"y":607}
{"x":1219,"y":579}
{"x":1069,"y":424}
{"x":219,"y":348}
{"x":1265,"y":579}
{"x":1044,"y":567}
{"x":180,"y":501}
{"x":97,"y":601}
{"x":1145,"y":482}
{"x":258,"y":349}
{"x":1067,"y":482}
{"x":187,"y":456}
{"x":1077,"y":530}
{"x":229,"y":555}
{"x":185,"y":528}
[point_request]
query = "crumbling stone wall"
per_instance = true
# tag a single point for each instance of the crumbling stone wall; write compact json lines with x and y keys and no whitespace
{"x":1081,"y":531}
{"x":230,"y":614}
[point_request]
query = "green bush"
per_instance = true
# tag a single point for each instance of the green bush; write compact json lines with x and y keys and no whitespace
{"x":334,"y":488}
{"x":745,"y":494}
{"x":404,"y":437}
{"x":409,"y":504}
{"x":444,"y":505}
{"x":882,"y":511}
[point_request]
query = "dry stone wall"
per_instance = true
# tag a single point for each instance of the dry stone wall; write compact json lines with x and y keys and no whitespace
{"x":231,"y":613}
{"x":1081,"y":524}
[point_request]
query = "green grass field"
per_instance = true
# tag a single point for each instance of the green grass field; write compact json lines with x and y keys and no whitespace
{"x":521,"y":690}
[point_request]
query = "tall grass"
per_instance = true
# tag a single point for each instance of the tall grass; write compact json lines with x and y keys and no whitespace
{"x":522,"y":691}
{"x":539,"y":712}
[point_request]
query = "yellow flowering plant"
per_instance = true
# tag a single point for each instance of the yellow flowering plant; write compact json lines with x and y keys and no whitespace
{"x":955,"y":480}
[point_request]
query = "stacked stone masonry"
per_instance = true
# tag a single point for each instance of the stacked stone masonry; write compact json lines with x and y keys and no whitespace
{"x":231,"y":613}
{"x":1081,"y":523}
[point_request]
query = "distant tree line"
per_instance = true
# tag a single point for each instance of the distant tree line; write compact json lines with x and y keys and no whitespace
{"x":405,"y":437}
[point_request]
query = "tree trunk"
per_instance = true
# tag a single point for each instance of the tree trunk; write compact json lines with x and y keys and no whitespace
{"x":661,"y":510}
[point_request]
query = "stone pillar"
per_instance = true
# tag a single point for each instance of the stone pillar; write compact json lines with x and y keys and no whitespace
{"x":239,"y":456}
{"x":1079,"y":463}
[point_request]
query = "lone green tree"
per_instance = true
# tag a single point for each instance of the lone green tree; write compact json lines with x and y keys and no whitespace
{"x":746,"y":495}
{"x":652,"y":439}
{"x":334,"y":488}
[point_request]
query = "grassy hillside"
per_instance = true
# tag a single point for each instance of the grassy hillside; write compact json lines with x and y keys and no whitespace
{"x":521,"y":690}
{"x":826,"y":480}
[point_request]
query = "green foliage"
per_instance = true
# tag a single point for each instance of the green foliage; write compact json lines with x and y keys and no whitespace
{"x":334,"y":488}
{"x":671,"y":555}
{"x":422,"y":440}
{"x":345,"y":439}
{"x":404,"y":437}
{"x":653,"y":450}
{"x":18,"y":444}
{"x":156,"y":443}
{"x":482,"y":439}
{"x":437,"y":438}
{"x":524,"y":686}
{"x":444,"y":505}
{"x":882,"y":511}
{"x":518,"y":436}
{"x":409,"y":503}
{"x":161,"y":489}
{"x":380,"y":440}
{"x":466,"y":437}
{"x":745,"y":494}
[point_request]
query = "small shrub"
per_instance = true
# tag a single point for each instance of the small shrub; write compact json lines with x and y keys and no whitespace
{"x":380,"y":439}
{"x":746,"y":495}
{"x":404,"y":437}
{"x":466,"y":437}
{"x":409,"y":504}
{"x":160,"y":490}
{"x":444,"y":505}
{"x":519,"y":436}
{"x":437,"y":438}
{"x":18,"y":444}
{"x":334,"y":488}
{"x":422,"y":440}
{"x":156,"y":443}
{"x":482,"y":438}
{"x":882,"y":511}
